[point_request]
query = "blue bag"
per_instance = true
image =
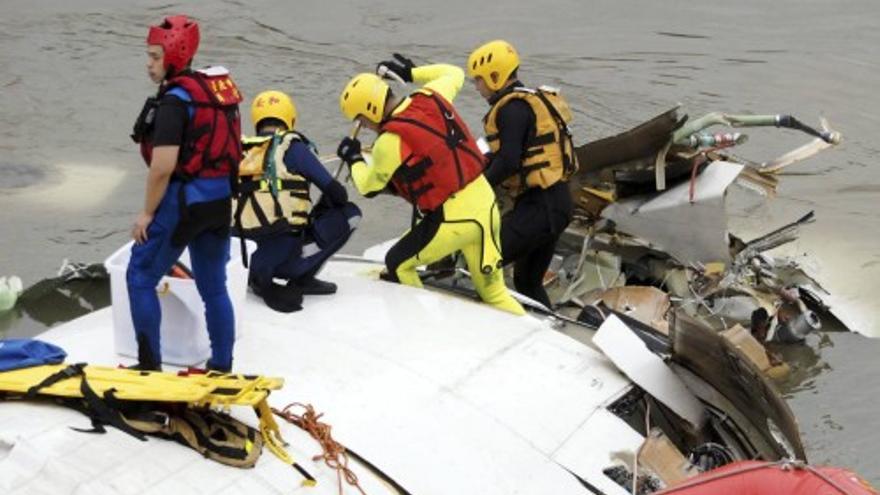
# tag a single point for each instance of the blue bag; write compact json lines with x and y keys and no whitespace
{"x":23,"y":353}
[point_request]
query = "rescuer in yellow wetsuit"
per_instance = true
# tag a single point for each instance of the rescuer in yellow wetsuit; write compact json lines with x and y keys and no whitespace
{"x":425,"y":153}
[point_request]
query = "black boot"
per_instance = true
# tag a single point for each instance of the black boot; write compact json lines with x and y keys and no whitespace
{"x":209,"y":366}
{"x":312,"y":286}
{"x":278,"y":297}
{"x":146,"y":360}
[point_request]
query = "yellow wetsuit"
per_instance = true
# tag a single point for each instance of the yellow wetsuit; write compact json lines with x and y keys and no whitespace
{"x":468,"y":221}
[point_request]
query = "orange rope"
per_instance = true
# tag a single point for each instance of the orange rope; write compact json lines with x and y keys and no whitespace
{"x":334,"y":454}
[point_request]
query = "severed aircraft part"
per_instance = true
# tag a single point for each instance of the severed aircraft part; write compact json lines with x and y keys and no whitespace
{"x":690,"y":231}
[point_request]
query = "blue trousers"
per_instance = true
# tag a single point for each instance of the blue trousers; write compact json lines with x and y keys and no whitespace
{"x":150,"y":261}
{"x":301,"y":256}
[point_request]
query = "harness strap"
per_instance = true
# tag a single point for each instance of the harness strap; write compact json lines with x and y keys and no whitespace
{"x":541,"y":140}
{"x":535,"y":166}
{"x":258,"y":210}
{"x":68,"y":372}
{"x":294,"y":184}
{"x":206,"y":442}
{"x":565,"y":133}
{"x":453,"y":138}
{"x":249,"y":186}
{"x":101,"y":412}
{"x":239,"y":211}
{"x":532,"y":152}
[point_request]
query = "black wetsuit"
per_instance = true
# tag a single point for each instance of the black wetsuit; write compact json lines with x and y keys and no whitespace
{"x":528,"y":232}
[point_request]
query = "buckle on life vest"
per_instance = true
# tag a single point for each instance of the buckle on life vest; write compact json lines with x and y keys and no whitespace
{"x":265,"y":184}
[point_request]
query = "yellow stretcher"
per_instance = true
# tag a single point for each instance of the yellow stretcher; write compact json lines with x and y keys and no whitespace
{"x":212,"y":389}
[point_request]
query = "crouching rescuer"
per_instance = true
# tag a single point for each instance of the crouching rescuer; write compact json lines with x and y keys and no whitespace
{"x":189,"y":135}
{"x":274,"y":207}
{"x":425,"y":154}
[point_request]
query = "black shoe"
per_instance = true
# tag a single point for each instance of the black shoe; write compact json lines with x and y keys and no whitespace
{"x":313,"y":286}
{"x":388,"y":277}
{"x":209,"y":366}
{"x":278,"y":297}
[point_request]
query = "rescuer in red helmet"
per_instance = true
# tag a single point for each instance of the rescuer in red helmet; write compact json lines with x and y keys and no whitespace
{"x":190,"y":138}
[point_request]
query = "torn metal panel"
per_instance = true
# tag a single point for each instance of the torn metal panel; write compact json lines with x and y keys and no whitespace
{"x":725,"y":369}
{"x":785,"y":234}
{"x":638,"y":142}
{"x":661,"y":457}
{"x":722,"y":312}
{"x":689,"y":231}
{"x":748,"y":345}
{"x":629,"y":353}
{"x":603,"y":441}
{"x":646,"y":304}
{"x":764,"y":184}
{"x":594,"y":270}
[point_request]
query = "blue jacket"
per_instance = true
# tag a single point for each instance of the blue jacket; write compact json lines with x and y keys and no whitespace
{"x":23,"y":353}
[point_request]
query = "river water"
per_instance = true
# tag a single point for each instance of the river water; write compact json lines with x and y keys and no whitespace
{"x":73,"y":77}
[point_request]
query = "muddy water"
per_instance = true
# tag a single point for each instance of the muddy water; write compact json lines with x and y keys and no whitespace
{"x":73,"y":78}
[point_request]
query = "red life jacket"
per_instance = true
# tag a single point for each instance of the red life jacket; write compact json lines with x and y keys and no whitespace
{"x":212,"y":146}
{"x":444,"y":156}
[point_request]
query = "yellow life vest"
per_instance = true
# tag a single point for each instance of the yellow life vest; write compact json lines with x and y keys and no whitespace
{"x":549,"y":155}
{"x":270,"y":199}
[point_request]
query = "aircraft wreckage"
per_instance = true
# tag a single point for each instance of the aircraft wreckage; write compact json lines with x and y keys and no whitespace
{"x":650,"y":238}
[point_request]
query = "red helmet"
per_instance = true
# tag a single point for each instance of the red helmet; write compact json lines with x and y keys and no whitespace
{"x":179,"y":37}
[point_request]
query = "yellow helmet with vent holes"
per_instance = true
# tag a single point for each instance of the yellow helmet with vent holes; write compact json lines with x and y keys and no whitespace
{"x":364,"y":95}
{"x":494,"y":62}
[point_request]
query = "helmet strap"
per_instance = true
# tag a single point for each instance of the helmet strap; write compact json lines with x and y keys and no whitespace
{"x":391,"y":102}
{"x":172,"y":71}
{"x":272,"y":124}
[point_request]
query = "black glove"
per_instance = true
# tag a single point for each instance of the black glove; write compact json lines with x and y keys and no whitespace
{"x":349,"y":151}
{"x":336,"y":193}
{"x":401,"y":66}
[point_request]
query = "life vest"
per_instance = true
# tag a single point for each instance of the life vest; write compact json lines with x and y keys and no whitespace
{"x":270,"y":198}
{"x":444,"y":156}
{"x":549,"y":155}
{"x":213,"y":135}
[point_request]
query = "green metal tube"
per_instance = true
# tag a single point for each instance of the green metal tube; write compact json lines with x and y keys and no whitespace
{"x":718,"y":118}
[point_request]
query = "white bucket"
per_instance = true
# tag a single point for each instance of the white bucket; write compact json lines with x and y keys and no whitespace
{"x":184,"y":336}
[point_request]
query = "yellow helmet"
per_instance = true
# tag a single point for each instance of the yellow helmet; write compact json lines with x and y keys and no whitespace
{"x":364,"y":95}
{"x":273,"y":105}
{"x":493,"y":62}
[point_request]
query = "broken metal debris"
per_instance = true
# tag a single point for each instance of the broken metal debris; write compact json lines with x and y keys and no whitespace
{"x":650,"y":235}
